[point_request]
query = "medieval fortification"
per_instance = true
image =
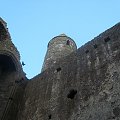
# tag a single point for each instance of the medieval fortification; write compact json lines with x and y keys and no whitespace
{"x":74,"y":84}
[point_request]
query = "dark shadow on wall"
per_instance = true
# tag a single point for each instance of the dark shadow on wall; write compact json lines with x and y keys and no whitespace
{"x":6,"y":65}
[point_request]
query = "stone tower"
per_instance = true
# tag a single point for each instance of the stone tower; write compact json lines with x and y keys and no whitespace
{"x":59,"y":47}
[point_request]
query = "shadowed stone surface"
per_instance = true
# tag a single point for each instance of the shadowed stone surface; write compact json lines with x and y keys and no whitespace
{"x":11,"y":93}
{"x":86,"y":88}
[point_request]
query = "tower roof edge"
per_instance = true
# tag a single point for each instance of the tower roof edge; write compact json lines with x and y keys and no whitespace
{"x":63,"y":34}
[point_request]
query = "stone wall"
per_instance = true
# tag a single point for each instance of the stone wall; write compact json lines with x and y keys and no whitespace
{"x":12,"y":77}
{"x":5,"y":40}
{"x":83,"y":86}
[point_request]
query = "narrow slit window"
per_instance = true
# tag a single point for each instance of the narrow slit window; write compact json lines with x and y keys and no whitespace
{"x":107,"y":39}
{"x":50,"y":116}
{"x":58,"y":69}
{"x":72,"y":94}
{"x":68,"y":42}
{"x":95,"y":46}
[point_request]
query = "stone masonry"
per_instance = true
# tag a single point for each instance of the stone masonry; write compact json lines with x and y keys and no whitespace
{"x":75,"y":84}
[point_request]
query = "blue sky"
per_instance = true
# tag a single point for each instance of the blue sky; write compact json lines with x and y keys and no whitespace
{"x":32,"y":23}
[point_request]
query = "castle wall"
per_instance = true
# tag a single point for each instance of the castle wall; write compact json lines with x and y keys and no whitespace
{"x":11,"y":87}
{"x":83,"y":86}
{"x":12,"y":77}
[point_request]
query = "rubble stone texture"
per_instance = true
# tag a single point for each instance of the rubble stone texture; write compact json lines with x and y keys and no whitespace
{"x":75,"y":84}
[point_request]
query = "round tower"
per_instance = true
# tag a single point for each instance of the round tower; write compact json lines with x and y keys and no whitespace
{"x":59,"y":47}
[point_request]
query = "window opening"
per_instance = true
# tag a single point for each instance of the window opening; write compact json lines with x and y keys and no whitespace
{"x":95,"y":46}
{"x":68,"y":42}
{"x":72,"y":94}
{"x":107,"y":39}
{"x":58,"y":69}
{"x":50,"y":116}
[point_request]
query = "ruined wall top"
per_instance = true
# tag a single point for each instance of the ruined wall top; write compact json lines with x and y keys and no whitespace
{"x":6,"y":45}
